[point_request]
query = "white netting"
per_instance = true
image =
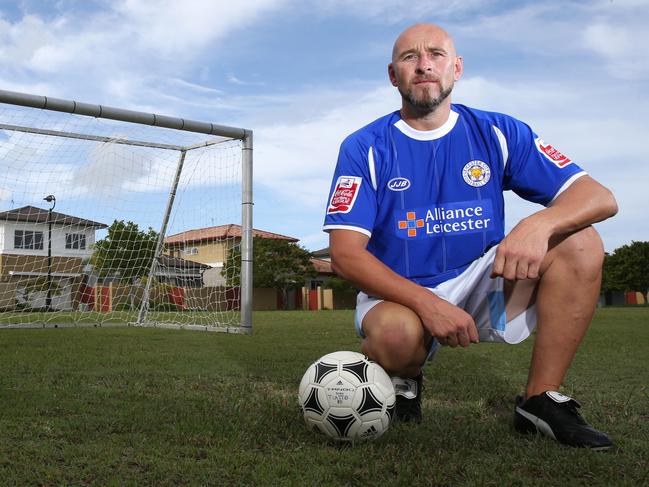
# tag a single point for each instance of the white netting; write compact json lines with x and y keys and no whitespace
{"x":84,"y":256}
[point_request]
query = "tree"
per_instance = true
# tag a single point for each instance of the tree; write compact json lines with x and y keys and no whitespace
{"x":126,"y":252}
{"x":338,"y":284}
{"x":278,"y":264}
{"x":627,"y":268}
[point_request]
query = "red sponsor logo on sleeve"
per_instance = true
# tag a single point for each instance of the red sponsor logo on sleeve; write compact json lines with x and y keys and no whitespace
{"x":344,"y":194}
{"x":552,"y":154}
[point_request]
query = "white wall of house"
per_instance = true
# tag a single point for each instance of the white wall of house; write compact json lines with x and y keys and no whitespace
{"x":61,"y":301}
{"x":213,"y":278}
{"x":59,"y":232}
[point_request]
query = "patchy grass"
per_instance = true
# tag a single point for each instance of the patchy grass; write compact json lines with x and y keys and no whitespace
{"x":131,"y":406}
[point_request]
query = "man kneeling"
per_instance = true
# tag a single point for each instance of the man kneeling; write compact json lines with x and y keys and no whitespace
{"x":416,"y":221}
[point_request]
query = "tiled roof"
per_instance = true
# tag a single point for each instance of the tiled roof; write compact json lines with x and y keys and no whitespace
{"x":322,"y":266}
{"x":32,"y":214}
{"x":218,"y":233}
{"x":321,"y":253}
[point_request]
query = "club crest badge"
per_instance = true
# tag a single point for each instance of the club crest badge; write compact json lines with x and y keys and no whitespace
{"x":476,"y":173}
{"x":344,"y":194}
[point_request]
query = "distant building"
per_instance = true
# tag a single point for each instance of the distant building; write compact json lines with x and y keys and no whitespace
{"x":323,"y":268}
{"x":24,"y":239}
{"x":180,"y":272}
{"x":322,"y":262}
{"x":322,"y":254}
{"x":210,"y":246}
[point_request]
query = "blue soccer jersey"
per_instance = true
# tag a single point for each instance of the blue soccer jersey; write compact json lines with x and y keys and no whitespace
{"x":431,"y":202}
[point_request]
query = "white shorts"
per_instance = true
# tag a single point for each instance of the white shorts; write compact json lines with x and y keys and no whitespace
{"x":479,"y":295}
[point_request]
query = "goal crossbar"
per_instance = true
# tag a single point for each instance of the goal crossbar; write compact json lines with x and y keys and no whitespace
{"x":121,"y":114}
{"x":95,"y":138}
{"x":108,"y":140}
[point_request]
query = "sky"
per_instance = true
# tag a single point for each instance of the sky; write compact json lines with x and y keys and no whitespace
{"x":303,"y":74}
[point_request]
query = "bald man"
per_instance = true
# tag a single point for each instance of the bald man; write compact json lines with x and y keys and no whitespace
{"x":416,"y":221}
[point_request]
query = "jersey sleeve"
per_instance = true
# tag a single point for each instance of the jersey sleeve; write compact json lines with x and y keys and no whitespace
{"x":534,"y":169}
{"x":352,"y":198}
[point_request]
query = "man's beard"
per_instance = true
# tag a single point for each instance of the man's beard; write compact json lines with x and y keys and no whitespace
{"x":425,"y":103}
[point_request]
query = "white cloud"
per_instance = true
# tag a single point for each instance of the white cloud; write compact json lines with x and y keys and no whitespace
{"x":198,"y":88}
{"x":534,"y":29}
{"x":178,"y":28}
{"x":158,"y":56}
{"x":573,"y":114}
{"x":395,"y":11}
{"x":122,"y":51}
{"x":625,"y":49}
{"x":558,"y":33}
{"x":237,"y":81}
{"x":544,"y":96}
{"x":21,"y":40}
{"x":303,"y":152}
{"x":6,"y":194}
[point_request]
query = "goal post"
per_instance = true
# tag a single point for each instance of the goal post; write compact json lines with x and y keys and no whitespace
{"x":63,"y":263}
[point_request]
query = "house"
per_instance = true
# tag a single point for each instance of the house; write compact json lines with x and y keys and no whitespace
{"x":322,"y":254}
{"x":321,"y":261}
{"x":341,"y":298}
{"x":25,"y":253}
{"x":211,"y":246}
{"x":324,"y":270}
{"x":180,"y":272}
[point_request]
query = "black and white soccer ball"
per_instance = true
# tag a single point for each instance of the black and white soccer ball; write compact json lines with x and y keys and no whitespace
{"x":347,"y":397}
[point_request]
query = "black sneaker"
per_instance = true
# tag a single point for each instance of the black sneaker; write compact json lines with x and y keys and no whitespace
{"x":408,"y":395}
{"x":556,"y":416}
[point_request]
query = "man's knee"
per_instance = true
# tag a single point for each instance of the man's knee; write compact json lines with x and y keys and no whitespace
{"x":581,"y":253}
{"x":395,"y":334}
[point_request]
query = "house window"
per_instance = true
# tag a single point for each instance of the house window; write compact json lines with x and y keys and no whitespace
{"x":190,"y":250}
{"x":28,"y":240}
{"x":75,"y":241}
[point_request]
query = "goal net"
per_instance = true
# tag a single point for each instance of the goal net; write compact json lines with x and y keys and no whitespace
{"x":110,"y":217}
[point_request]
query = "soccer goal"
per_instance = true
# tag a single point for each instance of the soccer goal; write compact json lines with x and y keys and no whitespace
{"x":111,"y":217}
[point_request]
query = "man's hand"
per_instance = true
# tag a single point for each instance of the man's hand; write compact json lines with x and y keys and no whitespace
{"x":521,"y":253}
{"x":451,"y":325}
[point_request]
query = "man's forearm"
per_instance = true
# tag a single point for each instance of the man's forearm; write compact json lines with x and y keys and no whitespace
{"x":442,"y":319}
{"x":376,"y":279}
{"x":585,"y":202}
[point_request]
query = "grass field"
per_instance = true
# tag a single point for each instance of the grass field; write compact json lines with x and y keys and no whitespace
{"x":95,"y":318}
{"x":128,"y":406}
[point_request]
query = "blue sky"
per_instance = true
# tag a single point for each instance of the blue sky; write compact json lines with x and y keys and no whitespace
{"x":304,"y":74}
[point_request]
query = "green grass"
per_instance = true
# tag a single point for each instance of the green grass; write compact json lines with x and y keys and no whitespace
{"x":126,"y":406}
{"x":207,"y":318}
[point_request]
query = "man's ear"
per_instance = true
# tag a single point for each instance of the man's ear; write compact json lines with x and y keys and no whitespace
{"x":459,"y":68}
{"x":392,"y":75}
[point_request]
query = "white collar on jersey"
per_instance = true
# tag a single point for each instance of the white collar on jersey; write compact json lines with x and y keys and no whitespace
{"x":428,"y":134}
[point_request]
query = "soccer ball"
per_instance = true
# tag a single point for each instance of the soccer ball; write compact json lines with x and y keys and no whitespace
{"x":347,"y":397}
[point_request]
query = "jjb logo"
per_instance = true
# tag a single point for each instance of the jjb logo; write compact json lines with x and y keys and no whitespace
{"x":398,"y":184}
{"x":551,"y":154}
